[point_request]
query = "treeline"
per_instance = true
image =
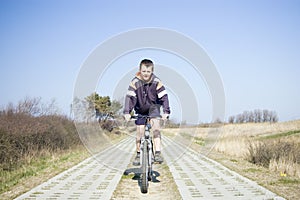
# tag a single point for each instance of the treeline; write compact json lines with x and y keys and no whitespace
{"x":256,"y":116}
{"x":32,"y":128}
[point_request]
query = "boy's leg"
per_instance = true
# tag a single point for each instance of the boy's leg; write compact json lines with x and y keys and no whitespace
{"x":156,"y":139}
{"x":156,"y":133}
{"x":139,"y":131}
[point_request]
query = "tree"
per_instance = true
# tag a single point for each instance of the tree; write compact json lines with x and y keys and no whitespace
{"x":274,"y":117}
{"x":103,"y":106}
{"x":100,"y":105}
{"x":256,"y":116}
{"x":29,"y":106}
{"x":266,"y":116}
{"x":115,"y":108}
{"x":251,"y":116}
{"x":231,"y":119}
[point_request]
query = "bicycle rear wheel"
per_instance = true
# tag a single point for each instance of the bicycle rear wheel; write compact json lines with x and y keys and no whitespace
{"x":144,"y":185}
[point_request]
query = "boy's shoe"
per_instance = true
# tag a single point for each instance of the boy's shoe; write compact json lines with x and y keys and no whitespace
{"x":136,"y":161}
{"x":158,"y":158}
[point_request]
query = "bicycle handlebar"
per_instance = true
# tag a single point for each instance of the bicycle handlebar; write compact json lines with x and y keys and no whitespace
{"x":142,"y":116}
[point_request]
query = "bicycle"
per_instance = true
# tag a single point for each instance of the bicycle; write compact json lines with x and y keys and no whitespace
{"x":147,"y":156}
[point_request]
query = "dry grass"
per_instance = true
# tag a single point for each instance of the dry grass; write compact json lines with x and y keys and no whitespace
{"x":37,"y":170}
{"x":233,"y":146}
{"x":275,"y":146}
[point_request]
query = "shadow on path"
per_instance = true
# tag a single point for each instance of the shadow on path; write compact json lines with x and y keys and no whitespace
{"x":137,"y":175}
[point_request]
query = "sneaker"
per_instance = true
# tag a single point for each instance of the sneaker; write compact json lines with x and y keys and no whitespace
{"x":158,"y":158}
{"x":136,"y":161}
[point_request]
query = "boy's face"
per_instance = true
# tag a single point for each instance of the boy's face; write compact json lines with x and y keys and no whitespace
{"x":146,"y":72}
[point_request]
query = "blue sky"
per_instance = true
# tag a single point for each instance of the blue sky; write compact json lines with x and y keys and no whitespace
{"x":255,"y":46}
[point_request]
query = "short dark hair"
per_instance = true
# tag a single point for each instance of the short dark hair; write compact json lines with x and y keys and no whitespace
{"x":146,"y":62}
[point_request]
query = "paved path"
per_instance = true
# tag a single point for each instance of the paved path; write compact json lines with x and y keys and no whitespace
{"x":196,"y":176}
{"x":199,"y":177}
{"x":91,"y":179}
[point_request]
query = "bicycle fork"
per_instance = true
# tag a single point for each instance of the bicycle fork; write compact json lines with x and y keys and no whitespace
{"x":148,"y":142}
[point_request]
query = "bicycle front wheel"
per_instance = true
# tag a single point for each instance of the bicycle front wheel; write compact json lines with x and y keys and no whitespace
{"x":144,"y":185}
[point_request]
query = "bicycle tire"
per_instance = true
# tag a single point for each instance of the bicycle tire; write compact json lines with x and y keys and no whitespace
{"x":144,"y":185}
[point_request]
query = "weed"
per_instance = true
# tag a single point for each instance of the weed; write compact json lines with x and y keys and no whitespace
{"x":252,"y":170}
{"x":280,"y":135}
{"x":200,"y":141}
{"x":289,"y":181}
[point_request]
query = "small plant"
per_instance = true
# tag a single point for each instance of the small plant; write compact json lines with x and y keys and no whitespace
{"x":200,"y":141}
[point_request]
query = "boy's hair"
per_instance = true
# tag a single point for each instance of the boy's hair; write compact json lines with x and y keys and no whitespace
{"x":147,"y":62}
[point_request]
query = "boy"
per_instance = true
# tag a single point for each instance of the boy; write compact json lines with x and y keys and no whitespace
{"x":146,"y":94}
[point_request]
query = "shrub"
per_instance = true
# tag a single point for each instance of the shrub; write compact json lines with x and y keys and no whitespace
{"x":22,"y":135}
{"x":274,"y":151}
{"x":109,"y":125}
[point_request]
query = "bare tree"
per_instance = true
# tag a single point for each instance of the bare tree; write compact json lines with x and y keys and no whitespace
{"x":257,"y":116}
{"x":240,"y":118}
{"x":231,"y":119}
{"x":273,"y":117}
{"x":50,"y":108}
{"x":266,"y":116}
{"x":29,"y":106}
{"x":251,"y":116}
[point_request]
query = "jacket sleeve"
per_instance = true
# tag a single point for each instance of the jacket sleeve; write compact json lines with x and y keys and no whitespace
{"x":130,"y":98}
{"x":163,"y":97}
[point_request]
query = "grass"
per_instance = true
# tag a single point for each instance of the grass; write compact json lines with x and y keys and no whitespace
{"x":289,"y":181}
{"x":281,"y":135}
{"x":37,"y":171}
{"x":252,"y":170}
{"x":200,"y":141}
{"x":272,"y":149}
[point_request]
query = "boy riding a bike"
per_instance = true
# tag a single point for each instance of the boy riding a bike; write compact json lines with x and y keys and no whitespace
{"x":146,"y":94}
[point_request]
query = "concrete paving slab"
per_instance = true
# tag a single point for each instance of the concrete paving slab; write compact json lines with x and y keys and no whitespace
{"x":199,"y":177}
{"x":94,"y":178}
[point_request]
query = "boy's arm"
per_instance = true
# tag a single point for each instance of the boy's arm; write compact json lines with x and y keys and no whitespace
{"x":130,"y":99}
{"x":163,"y":97}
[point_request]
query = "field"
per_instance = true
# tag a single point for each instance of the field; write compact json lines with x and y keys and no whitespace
{"x":268,"y":153}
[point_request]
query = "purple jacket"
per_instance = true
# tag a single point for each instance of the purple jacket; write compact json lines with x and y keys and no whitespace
{"x":141,"y":95}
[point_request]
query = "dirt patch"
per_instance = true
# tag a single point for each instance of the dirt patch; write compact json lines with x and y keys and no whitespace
{"x":162,"y":187}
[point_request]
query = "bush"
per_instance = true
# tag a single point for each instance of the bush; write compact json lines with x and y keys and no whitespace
{"x":262,"y":152}
{"x":109,"y":125}
{"x":22,"y":135}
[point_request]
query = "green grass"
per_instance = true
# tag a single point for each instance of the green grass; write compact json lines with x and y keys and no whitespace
{"x":280,"y":135}
{"x":252,"y":170}
{"x":40,"y":167}
{"x":200,"y":141}
{"x":288,"y":181}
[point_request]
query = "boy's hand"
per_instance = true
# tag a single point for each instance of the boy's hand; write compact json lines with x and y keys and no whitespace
{"x":165,"y":117}
{"x":127,"y":117}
